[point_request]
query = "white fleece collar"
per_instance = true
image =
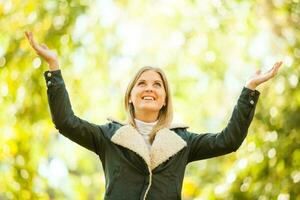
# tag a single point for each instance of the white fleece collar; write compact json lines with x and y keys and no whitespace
{"x":166,"y":144}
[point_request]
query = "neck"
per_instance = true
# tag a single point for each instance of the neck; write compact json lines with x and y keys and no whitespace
{"x":146,"y":116}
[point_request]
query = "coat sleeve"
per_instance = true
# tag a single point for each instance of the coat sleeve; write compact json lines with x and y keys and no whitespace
{"x":209,"y":145}
{"x":78,"y":130}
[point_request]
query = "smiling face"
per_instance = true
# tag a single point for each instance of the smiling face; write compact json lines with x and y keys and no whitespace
{"x":148,"y":94}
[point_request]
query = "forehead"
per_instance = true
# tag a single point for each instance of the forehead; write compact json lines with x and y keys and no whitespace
{"x":150,"y":75}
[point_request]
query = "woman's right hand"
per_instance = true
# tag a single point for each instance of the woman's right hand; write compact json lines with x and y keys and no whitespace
{"x":42,"y":50}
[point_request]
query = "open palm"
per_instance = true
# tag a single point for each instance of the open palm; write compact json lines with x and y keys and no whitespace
{"x":42,"y":50}
{"x":259,"y":78}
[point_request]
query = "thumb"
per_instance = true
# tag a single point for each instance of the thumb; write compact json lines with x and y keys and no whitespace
{"x":258,"y":71}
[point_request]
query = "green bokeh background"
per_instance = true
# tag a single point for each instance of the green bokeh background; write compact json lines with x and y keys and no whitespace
{"x":208,"y":49}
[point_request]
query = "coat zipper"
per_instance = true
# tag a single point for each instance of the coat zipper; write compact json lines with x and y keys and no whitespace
{"x":150,"y":182}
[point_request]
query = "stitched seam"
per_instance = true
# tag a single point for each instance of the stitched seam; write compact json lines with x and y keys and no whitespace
{"x":150,"y":182}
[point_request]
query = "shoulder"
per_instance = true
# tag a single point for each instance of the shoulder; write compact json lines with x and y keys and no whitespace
{"x":181,"y":130}
{"x":175,"y":126}
{"x":110,"y":127}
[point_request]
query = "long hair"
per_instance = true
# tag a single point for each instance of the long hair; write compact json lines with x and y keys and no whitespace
{"x":166,"y":112}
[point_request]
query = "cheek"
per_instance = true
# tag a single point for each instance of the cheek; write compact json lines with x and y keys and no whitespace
{"x":134,"y":94}
{"x":162,"y":96}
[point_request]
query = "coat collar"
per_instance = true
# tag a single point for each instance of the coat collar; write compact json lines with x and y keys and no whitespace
{"x":166,"y":144}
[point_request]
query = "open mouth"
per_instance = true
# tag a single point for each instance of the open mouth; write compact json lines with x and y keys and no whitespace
{"x":148,"y":98}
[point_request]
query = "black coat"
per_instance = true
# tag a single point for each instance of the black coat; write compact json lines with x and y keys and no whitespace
{"x":131,"y":171}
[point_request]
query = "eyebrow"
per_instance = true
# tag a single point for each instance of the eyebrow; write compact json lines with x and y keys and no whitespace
{"x":154,"y":80}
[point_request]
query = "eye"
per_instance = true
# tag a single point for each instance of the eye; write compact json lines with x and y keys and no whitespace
{"x":141,"y":83}
{"x":157,"y":84}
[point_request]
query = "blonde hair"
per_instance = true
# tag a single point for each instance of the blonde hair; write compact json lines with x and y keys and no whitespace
{"x":166,"y":112}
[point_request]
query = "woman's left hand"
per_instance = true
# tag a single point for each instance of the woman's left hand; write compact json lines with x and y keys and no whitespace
{"x":258,"y":78}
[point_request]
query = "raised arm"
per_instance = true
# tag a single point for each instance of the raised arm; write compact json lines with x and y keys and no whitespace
{"x":80,"y":131}
{"x":231,"y":137}
{"x":209,"y":145}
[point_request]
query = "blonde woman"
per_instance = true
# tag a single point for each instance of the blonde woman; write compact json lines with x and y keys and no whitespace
{"x":146,"y":157}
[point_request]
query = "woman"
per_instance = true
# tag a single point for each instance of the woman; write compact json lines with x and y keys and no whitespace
{"x":146,"y":157}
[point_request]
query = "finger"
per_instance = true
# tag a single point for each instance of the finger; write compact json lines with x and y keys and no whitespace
{"x":38,"y":49}
{"x":34,"y":44}
{"x":274,"y":71}
{"x":26,"y":33}
{"x":273,"y":68}
{"x":30,"y":39}
{"x":44,"y":46}
{"x":278,"y":64}
{"x":268,"y":74}
{"x":271,"y":73}
{"x":27,"y":36}
{"x":270,"y":69}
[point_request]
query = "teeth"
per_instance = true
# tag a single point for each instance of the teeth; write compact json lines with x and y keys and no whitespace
{"x":148,"y":98}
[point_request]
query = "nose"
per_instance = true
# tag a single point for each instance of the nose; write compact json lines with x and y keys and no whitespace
{"x":149,"y":88}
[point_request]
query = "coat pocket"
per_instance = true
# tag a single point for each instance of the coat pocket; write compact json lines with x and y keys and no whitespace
{"x":115,"y":174}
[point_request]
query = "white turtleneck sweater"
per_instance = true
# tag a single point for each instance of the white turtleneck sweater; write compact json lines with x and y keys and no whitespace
{"x":144,"y":128}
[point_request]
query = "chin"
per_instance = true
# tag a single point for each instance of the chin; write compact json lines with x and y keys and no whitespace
{"x":149,"y":108}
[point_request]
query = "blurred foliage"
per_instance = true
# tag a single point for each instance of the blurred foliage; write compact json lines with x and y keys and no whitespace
{"x":207,"y":48}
